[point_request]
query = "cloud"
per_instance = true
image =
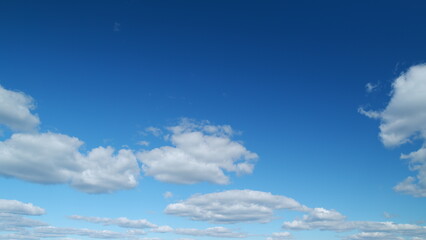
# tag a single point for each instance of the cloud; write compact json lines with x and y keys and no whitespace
{"x":369,"y":87}
{"x":201,"y":153}
{"x":404,"y":120}
{"x":168,"y":195}
{"x":233,"y":206}
{"x":373,"y":236}
{"x":279,"y":236}
{"x":17,"y":207}
{"x":15,"y":111}
{"x":143,"y":143}
{"x":331,"y":220}
{"x":154,"y":131}
{"x":221,"y":232}
{"x":121,"y":222}
{"x":15,"y":222}
{"x":51,"y":231}
{"x":51,"y":158}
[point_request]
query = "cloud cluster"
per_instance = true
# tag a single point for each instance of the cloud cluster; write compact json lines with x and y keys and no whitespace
{"x":404,"y":120}
{"x":331,"y":220}
{"x":145,"y":224}
{"x":13,"y":212}
{"x":200,"y":153}
{"x":233,"y":206}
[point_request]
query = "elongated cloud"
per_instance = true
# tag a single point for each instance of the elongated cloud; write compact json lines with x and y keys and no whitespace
{"x":121,"y":222}
{"x":17,"y":207}
{"x":403,"y":121}
{"x":233,"y":206}
{"x":331,"y":220}
{"x":15,"y":111}
{"x":201,"y":153}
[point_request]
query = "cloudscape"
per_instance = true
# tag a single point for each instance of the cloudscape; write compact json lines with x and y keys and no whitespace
{"x":207,"y":120}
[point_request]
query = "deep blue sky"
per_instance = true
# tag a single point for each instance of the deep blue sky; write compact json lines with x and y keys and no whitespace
{"x":288,"y":76}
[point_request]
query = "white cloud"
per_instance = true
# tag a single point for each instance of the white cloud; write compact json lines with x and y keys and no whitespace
{"x":210,"y":232}
{"x":201,"y":153}
{"x":369,"y":87}
{"x":373,"y":236}
{"x":168,"y":195}
{"x":51,"y":158}
{"x":369,"y":113}
{"x":162,"y":229}
{"x":14,"y":222}
{"x":404,"y":120}
{"x":279,"y":236}
{"x":233,"y":206}
{"x":143,"y":143}
{"x":15,"y":111}
{"x":17,"y":207}
{"x":388,"y":215}
{"x":121,"y":222}
{"x":331,"y":220}
{"x":154,"y":131}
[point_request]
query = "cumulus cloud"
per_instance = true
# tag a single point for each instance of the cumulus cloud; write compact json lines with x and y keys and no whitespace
{"x":404,"y":120}
{"x":52,"y":158}
{"x":17,"y":207}
{"x":233,"y":206}
{"x":121,"y":222}
{"x":201,"y":153}
{"x":15,"y":111}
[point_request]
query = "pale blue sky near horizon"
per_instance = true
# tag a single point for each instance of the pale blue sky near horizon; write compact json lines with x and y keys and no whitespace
{"x":289,"y":77}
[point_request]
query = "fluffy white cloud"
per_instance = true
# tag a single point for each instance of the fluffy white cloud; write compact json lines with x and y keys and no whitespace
{"x":17,"y":207}
{"x":233,"y":206}
{"x":201,"y":153}
{"x":121,"y":222}
{"x":52,"y":158}
{"x":15,"y":111}
{"x":404,"y":120}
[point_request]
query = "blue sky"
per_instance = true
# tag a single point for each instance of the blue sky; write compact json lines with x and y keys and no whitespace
{"x":181,"y":120}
